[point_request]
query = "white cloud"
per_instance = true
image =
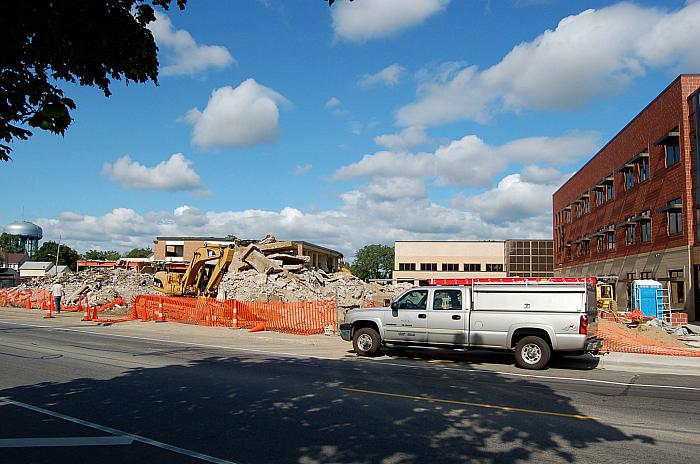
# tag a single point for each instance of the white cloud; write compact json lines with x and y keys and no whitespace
{"x":301,"y":169}
{"x":174,"y":174}
{"x":364,"y":20}
{"x":512,"y":200}
{"x":333,"y":102}
{"x":596,"y":52}
{"x":237,"y":117}
{"x":408,"y":138}
{"x":367,"y":215}
{"x":389,"y":76}
{"x":184,"y":55}
{"x":469,"y":162}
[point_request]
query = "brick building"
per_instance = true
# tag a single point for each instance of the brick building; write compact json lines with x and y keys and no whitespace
{"x":632,"y":210}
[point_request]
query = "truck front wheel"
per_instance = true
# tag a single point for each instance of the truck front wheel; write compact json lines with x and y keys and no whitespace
{"x":532,"y":353}
{"x":366,"y":342}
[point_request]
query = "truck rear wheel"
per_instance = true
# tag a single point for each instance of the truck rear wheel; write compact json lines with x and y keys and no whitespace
{"x":366,"y":342}
{"x":532,"y":353}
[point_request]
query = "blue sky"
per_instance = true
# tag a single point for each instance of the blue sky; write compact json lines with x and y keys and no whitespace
{"x":367,"y":122}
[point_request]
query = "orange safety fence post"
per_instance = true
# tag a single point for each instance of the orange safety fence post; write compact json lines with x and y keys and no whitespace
{"x":29,"y":303}
{"x":86,"y":310}
{"x":160,"y":316}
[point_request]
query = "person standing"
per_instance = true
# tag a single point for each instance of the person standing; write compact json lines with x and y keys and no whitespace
{"x":57,"y":292}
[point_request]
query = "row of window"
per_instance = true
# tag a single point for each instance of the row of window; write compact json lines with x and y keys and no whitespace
{"x":606,"y":235}
{"x":636,"y":170}
{"x":451,"y":267}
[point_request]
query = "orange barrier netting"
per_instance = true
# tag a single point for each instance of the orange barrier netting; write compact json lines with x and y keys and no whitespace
{"x":618,"y":339}
{"x":301,"y":318}
{"x":38,"y":298}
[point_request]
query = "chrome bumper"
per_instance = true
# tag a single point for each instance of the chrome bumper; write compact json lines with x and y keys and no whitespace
{"x":593,"y":344}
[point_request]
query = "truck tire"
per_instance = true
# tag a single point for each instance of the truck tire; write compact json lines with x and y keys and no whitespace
{"x":532,"y":353}
{"x":366,"y":342}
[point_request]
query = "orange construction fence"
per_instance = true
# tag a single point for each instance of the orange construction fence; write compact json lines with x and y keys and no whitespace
{"x":618,"y":338}
{"x":301,"y":318}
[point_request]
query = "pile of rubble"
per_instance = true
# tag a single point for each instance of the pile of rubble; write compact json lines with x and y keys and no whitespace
{"x":264,"y":270}
{"x":103,"y":285}
{"x":304,"y":284}
{"x":269,"y":270}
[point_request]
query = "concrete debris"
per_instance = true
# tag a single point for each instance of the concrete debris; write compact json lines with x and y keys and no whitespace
{"x":102,"y":286}
{"x":266,"y":270}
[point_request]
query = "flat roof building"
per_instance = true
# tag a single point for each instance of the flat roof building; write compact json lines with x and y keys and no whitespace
{"x":632,"y":210}
{"x":181,"y":250}
{"x":418,"y":261}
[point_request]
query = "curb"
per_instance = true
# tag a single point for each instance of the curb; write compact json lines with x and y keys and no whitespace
{"x":679,"y":365}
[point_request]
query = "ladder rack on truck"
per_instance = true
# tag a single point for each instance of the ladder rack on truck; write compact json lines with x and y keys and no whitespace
{"x":514,"y":280}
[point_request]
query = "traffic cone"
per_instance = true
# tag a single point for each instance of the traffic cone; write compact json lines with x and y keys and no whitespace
{"x":258,"y":328}
{"x":49,"y":310}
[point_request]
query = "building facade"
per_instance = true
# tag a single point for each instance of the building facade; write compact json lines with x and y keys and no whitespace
{"x":529,"y":258}
{"x":631,"y":211}
{"x":418,"y":261}
{"x":181,"y":250}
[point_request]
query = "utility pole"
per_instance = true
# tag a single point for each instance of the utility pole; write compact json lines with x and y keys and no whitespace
{"x":58,"y":252}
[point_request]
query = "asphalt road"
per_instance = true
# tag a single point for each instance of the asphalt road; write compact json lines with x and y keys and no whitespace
{"x":71,"y":397}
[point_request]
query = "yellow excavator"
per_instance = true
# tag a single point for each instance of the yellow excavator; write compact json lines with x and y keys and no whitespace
{"x":202,"y":276}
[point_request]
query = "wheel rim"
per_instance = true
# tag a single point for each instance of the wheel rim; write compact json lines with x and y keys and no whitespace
{"x":531,"y":353}
{"x":364,"y":342}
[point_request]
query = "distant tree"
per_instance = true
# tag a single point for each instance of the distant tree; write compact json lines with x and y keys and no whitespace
{"x":139,"y":253}
{"x":47,"y":252}
{"x":10,"y":243}
{"x":88,"y":42}
{"x":96,"y":255}
{"x":373,"y":262}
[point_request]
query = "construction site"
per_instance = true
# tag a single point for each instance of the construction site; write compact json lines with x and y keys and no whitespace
{"x":275,"y":285}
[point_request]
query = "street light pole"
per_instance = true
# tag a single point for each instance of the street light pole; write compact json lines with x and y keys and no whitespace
{"x":58,"y":252}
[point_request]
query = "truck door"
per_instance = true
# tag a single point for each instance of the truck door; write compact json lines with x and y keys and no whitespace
{"x":448,"y":317}
{"x":408,"y":319}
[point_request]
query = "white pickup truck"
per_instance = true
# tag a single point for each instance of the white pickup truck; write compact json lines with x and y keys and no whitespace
{"x":534,"y":319}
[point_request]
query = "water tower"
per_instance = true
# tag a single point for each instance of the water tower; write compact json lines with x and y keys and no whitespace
{"x":29,"y":235}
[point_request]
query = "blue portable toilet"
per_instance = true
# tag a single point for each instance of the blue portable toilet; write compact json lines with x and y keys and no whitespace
{"x":645,"y":296}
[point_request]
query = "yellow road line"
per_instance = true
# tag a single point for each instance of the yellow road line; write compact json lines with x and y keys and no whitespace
{"x":467,"y":403}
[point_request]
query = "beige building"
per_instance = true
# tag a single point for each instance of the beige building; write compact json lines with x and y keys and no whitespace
{"x":417,"y":261}
{"x":181,"y":250}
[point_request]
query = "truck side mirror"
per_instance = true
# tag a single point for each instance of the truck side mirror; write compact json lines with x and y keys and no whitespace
{"x":394,"y":306}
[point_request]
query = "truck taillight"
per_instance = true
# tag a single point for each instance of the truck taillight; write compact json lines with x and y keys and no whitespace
{"x":583,"y":326}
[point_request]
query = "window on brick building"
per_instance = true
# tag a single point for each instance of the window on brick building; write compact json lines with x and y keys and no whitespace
{"x":645,"y":275}
{"x":586,"y":205}
{"x":643,"y":169}
{"x":629,"y":179}
{"x":601,"y":243}
{"x":599,"y":197}
{"x":673,"y":154}
{"x":675,"y":217}
{"x":586,"y":247}
{"x":611,"y":192}
{"x":611,"y":241}
{"x":472,"y":267}
{"x":631,"y":233}
{"x":646,"y":226}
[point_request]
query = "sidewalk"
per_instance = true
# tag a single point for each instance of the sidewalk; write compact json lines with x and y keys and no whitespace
{"x":318,"y":346}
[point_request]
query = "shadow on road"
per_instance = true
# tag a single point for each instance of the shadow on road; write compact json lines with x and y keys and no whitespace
{"x":476,"y":357}
{"x":312,"y":411}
